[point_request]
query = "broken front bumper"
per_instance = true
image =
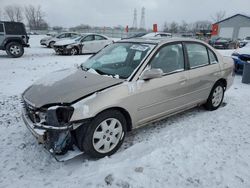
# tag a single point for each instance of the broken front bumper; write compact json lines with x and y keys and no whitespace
{"x":38,"y":133}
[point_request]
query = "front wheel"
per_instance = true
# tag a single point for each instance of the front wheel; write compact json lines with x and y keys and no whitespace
{"x":14,"y":49}
{"x":216,"y":97}
{"x":51,"y":44}
{"x":105,"y":134}
{"x":74,"y":51}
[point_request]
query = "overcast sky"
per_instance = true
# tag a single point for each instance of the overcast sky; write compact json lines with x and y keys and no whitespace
{"x":69,"y":13}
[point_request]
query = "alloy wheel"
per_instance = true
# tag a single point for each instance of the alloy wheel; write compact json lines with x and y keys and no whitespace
{"x":217,"y":96}
{"x":15,"y":49}
{"x":107,"y":135}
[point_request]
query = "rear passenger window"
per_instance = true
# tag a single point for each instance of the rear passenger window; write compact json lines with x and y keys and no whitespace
{"x":1,"y":28}
{"x":88,"y":38}
{"x":13,"y":28}
{"x":212,"y":57}
{"x":197,"y":55}
{"x":98,"y":37}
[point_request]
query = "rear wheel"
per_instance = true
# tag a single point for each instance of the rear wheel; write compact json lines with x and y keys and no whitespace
{"x":14,"y":49}
{"x":104,"y":135}
{"x":216,"y":97}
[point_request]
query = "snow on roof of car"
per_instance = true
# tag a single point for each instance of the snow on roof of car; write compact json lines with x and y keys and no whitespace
{"x":158,"y":40}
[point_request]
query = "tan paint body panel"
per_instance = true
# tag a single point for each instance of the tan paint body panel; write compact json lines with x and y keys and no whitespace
{"x":146,"y":101}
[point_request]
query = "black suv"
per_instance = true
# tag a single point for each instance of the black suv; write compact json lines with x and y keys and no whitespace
{"x":13,"y":38}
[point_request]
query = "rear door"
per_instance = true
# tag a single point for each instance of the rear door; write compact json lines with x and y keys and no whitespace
{"x":99,"y":43}
{"x":203,"y":71}
{"x":88,"y":44}
{"x":1,"y":34}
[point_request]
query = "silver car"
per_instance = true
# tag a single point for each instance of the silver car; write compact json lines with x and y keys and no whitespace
{"x":50,"y":40}
{"x":87,"y":43}
{"x":125,"y":86}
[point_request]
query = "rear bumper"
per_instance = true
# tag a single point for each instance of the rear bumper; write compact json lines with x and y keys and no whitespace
{"x":26,"y":45}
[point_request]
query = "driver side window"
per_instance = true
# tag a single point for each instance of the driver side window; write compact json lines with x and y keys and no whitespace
{"x":169,"y":58}
{"x":61,"y":36}
{"x":88,"y":38}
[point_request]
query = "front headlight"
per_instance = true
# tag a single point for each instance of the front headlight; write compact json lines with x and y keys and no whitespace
{"x":59,"y":115}
{"x":236,"y":54}
{"x":69,"y":46}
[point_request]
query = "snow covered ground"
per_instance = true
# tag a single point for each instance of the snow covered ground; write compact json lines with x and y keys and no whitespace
{"x":193,"y":149}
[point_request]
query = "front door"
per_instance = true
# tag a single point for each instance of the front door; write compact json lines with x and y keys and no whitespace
{"x":88,"y":44}
{"x":159,"y":97}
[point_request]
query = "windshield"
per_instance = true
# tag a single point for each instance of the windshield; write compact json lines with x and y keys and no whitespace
{"x":80,"y":38}
{"x":118,"y":60}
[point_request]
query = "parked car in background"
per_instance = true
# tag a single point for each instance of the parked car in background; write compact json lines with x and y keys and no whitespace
{"x":245,"y":41}
{"x":13,"y":38}
{"x":135,"y":35}
{"x":240,"y":57}
{"x":223,"y":43}
{"x":87,"y":43}
{"x":128,"y":84}
{"x":50,"y":40}
{"x":157,"y":34}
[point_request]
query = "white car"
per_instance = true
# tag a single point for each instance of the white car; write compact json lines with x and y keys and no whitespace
{"x":87,"y":43}
{"x":157,"y":34}
{"x":50,"y":41}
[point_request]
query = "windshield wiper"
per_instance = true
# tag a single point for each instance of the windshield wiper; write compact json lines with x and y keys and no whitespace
{"x":100,"y":72}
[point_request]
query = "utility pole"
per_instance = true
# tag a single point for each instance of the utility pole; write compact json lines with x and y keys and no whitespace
{"x":135,"y":19}
{"x":142,"y":24}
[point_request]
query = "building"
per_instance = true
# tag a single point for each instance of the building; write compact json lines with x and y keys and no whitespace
{"x":234,"y":27}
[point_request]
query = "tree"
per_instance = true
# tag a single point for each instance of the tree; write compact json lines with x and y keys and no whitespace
{"x":183,"y":27}
{"x":219,"y":16}
{"x":57,"y":28}
{"x":166,"y":27}
{"x":202,"y":25}
{"x":35,"y":18}
{"x":174,"y":27}
{"x":14,"y":13}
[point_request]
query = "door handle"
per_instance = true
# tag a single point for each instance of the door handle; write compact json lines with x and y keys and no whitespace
{"x":183,"y":80}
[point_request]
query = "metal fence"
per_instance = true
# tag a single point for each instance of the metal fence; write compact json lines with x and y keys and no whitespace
{"x":113,"y":33}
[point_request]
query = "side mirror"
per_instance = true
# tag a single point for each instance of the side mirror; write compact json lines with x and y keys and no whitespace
{"x":151,"y":74}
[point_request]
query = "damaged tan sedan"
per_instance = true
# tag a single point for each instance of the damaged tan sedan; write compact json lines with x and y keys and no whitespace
{"x":125,"y":86}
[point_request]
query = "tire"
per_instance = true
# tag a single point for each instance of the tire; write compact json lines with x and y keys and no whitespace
{"x":98,"y":139}
{"x":51,"y":44}
{"x":14,"y":49}
{"x":216,"y":97}
{"x":74,"y":51}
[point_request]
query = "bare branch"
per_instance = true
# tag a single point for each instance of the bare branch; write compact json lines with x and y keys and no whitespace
{"x":35,"y":17}
{"x":219,"y":16}
{"x":14,"y":13}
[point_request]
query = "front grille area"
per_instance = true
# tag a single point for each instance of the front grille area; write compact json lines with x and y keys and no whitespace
{"x":59,"y":48}
{"x":31,"y":112}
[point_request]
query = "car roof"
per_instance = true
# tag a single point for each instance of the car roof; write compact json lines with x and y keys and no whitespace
{"x":85,"y":34}
{"x":160,"y":40}
{"x":10,"y":22}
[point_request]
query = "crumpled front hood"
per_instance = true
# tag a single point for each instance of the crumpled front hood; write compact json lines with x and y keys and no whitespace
{"x":65,"y":42}
{"x":65,"y":87}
